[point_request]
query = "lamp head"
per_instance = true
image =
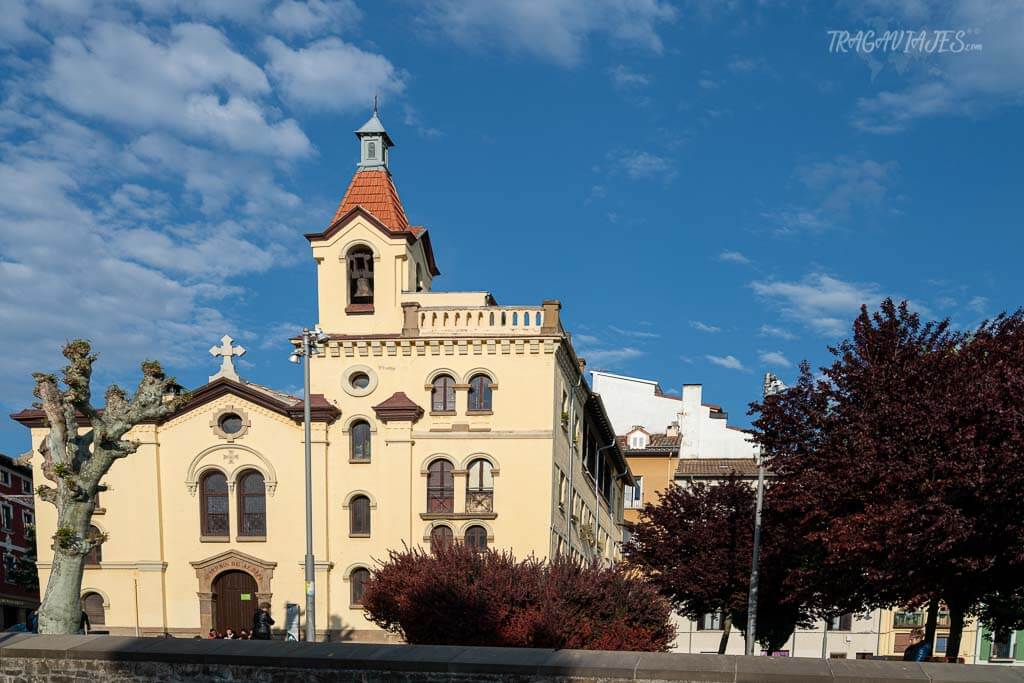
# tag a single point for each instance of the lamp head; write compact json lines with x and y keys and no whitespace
{"x":295,"y":357}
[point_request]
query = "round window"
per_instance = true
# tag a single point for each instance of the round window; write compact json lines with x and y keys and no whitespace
{"x":359,"y":380}
{"x":230,"y":423}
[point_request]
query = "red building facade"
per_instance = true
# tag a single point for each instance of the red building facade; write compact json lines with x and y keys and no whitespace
{"x":17,"y":514}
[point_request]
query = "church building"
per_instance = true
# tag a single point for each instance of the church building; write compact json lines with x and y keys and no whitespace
{"x":437,"y":417}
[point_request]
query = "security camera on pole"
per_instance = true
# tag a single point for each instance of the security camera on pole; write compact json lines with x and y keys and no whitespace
{"x":311,"y":340}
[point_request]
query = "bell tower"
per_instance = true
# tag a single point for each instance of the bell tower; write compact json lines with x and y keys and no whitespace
{"x":374,"y":142}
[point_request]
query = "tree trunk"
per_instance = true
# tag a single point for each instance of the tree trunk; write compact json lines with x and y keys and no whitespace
{"x":956,"y":629}
{"x":932,"y":619}
{"x":726,"y":629}
{"x":61,"y":610}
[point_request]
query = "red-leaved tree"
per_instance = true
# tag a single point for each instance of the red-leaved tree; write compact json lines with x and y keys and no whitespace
{"x":458,"y":596}
{"x":901,"y":467}
{"x":695,"y":545}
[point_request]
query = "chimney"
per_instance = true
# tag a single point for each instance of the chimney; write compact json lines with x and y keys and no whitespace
{"x":690,"y":421}
{"x":673,"y":429}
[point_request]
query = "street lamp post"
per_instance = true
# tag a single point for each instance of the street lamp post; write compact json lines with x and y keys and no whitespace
{"x":310,"y":340}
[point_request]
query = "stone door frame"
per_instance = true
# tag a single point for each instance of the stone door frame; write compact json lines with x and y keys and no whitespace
{"x":209,"y":569}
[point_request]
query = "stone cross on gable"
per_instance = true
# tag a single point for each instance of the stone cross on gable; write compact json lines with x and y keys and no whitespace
{"x":227,"y":354}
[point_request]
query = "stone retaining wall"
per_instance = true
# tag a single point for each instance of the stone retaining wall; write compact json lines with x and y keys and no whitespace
{"x":115,"y":659}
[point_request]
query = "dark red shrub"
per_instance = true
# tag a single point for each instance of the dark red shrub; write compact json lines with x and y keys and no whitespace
{"x":457,"y":596}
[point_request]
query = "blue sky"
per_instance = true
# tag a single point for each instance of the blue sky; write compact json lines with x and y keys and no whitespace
{"x":709,"y":190}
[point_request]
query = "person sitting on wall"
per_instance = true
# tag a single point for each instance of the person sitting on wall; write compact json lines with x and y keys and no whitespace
{"x":919,"y":649}
{"x":261,"y":622}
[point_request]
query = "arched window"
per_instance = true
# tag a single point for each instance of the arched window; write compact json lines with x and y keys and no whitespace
{"x":359,"y":516}
{"x":360,"y":442}
{"x":441,"y":536}
{"x":252,"y":504}
{"x":480,"y":487}
{"x":214,"y":504}
{"x":358,"y":579}
{"x":440,"y":487}
{"x":92,"y":605}
{"x":476,"y":537}
{"x":95,"y":555}
{"x":371,"y":150}
{"x":480,"y":393}
{"x":442,"y":394}
{"x":360,"y":276}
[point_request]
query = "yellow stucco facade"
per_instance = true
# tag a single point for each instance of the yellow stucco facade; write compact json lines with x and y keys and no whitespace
{"x":159,"y":567}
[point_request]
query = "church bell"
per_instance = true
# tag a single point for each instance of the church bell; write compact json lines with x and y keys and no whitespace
{"x":363,"y":287}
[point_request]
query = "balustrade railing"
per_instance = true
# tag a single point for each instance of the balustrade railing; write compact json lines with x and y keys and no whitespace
{"x":510,"y":320}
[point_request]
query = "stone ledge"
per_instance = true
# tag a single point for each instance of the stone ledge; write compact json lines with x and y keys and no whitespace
{"x":82,"y":658}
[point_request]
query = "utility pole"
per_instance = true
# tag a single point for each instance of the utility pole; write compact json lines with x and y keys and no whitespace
{"x":310,"y":563}
{"x":310,"y":340}
{"x":752,"y":597}
{"x":772,"y":385}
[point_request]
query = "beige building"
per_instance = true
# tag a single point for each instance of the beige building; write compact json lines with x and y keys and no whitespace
{"x":436,"y":416}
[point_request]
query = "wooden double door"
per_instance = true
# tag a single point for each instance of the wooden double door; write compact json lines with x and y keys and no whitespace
{"x":234,"y":601}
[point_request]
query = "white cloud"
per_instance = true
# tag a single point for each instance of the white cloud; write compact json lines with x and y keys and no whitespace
{"x":331,"y":74}
{"x":824,"y":303}
{"x":774,"y":358}
{"x":967,"y":83}
{"x":703,"y":327}
{"x":978,"y":304}
{"x":610,"y":358}
{"x":837,"y":189}
{"x":313,"y":17}
{"x":845,"y":182}
{"x":552,"y":30}
{"x":733,"y":257}
{"x":773,"y":331}
{"x":707,"y":84}
{"x":729,"y":362}
{"x":637,"y":334}
{"x":625,"y":78}
{"x":639,"y":165}
{"x":119,"y":74}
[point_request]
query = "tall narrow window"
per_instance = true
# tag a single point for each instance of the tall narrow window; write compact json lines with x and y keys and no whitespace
{"x":371,"y":150}
{"x":358,"y":579}
{"x":480,"y":487}
{"x":480,"y":393}
{"x":214,"y":505}
{"x":360,"y":276}
{"x":442,"y":394}
{"x":418,"y":285}
{"x":252,"y":504}
{"x":440,"y":487}
{"x":360,"y":448}
{"x":95,"y":555}
{"x":359,"y":516}
{"x":441,"y":536}
{"x":476,"y":537}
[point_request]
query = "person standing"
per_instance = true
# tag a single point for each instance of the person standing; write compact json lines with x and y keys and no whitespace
{"x":261,"y":622}
{"x":919,"y":649}
{"x":83,"y":623}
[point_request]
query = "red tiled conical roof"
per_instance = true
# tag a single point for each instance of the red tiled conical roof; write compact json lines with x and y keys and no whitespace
{"x":374,"y":191}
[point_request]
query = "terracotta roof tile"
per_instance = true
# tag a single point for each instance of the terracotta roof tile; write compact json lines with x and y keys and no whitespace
{"x":374,"y":191}
{"x":716,"y":467}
